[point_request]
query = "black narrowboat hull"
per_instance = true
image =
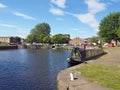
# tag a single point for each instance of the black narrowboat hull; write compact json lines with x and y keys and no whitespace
{"x":73,"y":62}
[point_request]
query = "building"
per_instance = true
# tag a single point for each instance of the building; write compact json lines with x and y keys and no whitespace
{"x":5,"y":39}
{"x":76,"y":41}
{"x":13,"y":40}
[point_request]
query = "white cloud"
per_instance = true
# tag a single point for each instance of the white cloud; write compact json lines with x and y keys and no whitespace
{"x":88,"y":19}
{"x":95,"y":6}
{"x":23,"y":16}
{"x":56,"y":11}
{"x":59,"y":3}
{"x":2,"y":5}
{"x":8,"y":25}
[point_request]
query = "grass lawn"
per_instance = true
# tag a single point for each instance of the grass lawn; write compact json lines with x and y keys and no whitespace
{"x":105,"y":75}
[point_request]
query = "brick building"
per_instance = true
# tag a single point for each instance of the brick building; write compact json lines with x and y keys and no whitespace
{"x":76,"y":41}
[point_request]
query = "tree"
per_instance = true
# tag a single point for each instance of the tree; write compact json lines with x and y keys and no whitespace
{"x":41,"y":28}
{"x":15,"y":40}
{"x":109,"y":27}
{"x":32,"y":38}
{"x":38,"y":33}
{"x":41,"y":37}
{"x":59,"y":39}
{"x":118,"y":32}
{"x":46,"y":39}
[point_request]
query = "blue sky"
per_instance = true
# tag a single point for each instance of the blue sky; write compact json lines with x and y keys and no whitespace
{"x":79,"y":18}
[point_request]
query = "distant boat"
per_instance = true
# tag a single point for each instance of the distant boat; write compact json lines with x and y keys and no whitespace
{"x":77,"y":56}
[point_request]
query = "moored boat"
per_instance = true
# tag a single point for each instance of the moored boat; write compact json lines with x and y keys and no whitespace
{"x":77,"y":56}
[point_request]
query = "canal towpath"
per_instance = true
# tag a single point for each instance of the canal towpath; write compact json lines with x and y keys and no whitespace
{"x":81,"y":83}
{"x":112,"y":57}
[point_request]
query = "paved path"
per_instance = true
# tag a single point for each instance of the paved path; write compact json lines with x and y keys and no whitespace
{"x":112,"y":57}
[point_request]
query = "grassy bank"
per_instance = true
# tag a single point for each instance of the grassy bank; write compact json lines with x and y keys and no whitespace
{"x":105,"y":75}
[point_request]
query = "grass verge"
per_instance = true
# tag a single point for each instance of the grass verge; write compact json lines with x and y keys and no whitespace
{"x":105,"y":75}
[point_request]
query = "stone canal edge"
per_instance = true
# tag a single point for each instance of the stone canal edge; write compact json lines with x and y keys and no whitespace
{"x":64,"y":81}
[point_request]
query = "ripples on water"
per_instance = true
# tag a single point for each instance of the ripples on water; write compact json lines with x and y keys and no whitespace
{"x":24,"y":69}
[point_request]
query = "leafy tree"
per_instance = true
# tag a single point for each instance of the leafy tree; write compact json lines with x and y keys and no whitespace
{"x":46,"y":39}
{"x":41,"y":28}
{"x":38,"y":33}
{"x":16,"y":40}
{"x":59,"y":39}
{"x":118,"y":32}
{"x":109,"y":27}
{"x":41,"y":37}
{"x":65,"y":39}
{"x":32,"y":38}
{"x":54,"y":39}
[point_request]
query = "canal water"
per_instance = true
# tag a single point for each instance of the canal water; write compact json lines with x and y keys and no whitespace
{"x":24,"y":69}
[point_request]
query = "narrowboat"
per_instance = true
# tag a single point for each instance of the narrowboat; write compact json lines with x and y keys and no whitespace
{"x":77,"y":56}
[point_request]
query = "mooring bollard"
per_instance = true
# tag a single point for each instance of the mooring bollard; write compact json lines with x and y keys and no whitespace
{"x":71,"y":77}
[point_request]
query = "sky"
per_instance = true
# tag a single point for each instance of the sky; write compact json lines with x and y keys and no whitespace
{"x":79,"y":18}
